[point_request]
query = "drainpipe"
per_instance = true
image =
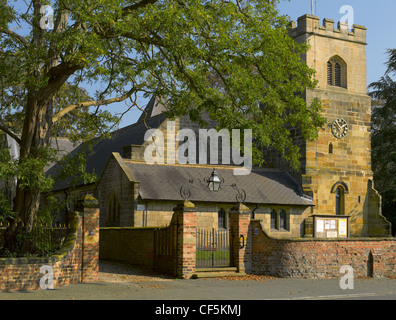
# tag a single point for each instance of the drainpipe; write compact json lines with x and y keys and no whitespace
{"x":253,"y":212}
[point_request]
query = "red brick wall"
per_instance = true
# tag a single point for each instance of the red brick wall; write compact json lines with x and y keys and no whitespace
{"x":77,"y":261}
{"x":90,"y":245}
{"x":186,"y":239}
{"x":314,"y":258}
{"x":240,"y":237}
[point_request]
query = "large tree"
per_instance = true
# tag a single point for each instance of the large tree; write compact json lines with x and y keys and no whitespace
{"x":172,"y":48}
{"x":384,"y":137}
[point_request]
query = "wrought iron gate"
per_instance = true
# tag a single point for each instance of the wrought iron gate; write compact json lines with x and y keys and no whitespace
{"x":213,"y":248}
{"x":165,"y":249}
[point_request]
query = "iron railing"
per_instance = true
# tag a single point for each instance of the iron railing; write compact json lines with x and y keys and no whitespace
{"x":42,"y":240}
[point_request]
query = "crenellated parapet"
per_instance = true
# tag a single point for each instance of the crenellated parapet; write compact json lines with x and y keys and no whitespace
{"x":309,"y":24}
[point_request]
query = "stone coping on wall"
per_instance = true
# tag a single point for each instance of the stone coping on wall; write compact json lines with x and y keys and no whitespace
{"x":131,"y":228}
{"x":311,"y":239}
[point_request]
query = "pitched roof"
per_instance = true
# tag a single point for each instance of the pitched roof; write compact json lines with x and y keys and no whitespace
{"x":62,"y":145}
{"x":261,"y":186}
{"x":153,"y":108}
{"x":98,"y":155}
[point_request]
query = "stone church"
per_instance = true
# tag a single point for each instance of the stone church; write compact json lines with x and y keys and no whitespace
{"x":335,"y":182}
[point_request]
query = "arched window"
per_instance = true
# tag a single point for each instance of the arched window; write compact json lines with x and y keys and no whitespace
{"x":336,"y":73}
{"x":113,"y":210}
{"x":330,"y":148}
{"x":283,"y":220}
{"x":221,"y":219}
{"x":274,"y":220}
{"x":340,"y":207}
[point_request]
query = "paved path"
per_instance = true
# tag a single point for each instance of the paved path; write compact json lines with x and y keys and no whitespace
{"x":214,"y":289}
{"x":119,"y":283}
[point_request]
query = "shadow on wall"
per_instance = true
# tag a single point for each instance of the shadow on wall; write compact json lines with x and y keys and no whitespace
{"x":377,"y":224}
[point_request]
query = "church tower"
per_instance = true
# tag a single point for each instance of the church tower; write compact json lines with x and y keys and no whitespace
{"x":336,"y":168}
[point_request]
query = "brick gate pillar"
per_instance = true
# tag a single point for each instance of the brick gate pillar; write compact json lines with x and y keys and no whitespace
{"x":88,"y":207}
{"x":186,"y":239}
{"x":240,"y":237}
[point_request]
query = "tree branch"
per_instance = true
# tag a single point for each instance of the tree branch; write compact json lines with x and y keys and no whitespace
{"x":14,"y":35}
{"x":91,"y":103}
{"x":138,"y":5}
{"x":5,"y":129}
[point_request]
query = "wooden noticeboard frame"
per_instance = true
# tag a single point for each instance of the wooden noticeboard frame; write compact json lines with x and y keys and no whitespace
{"x":330,"y":226}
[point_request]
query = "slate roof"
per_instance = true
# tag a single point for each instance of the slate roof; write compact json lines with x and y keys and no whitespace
{"x":164,"y":182}
{"x":62,"y":145}
{"x":261,"y":186}
{"x":153,"y":108}
{"x":99,"y":154}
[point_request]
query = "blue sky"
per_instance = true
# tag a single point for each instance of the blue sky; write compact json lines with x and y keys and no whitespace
{"x":377,"y":16}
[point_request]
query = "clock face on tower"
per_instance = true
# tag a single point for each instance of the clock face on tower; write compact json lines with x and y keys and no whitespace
{"x":339,"y":127}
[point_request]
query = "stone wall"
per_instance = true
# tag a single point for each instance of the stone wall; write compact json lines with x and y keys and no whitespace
{"x":114,"y":181}
{"x":349,"y":163}
{"x":159,"y":214}
{"x":295,"y":217}
{"x":330,"y":161}
{"x":330,"y":39}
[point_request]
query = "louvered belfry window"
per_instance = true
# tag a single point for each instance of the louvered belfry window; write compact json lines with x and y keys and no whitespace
{"x":337,"y":74}
{"x":334,"y":73}
{"x":329,"y":73}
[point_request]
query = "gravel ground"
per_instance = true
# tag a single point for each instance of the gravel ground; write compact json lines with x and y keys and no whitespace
{"x":119,"y":281}
{"x":117,"y":272}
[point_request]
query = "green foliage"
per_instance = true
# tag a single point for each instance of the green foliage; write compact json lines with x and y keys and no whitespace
{"x":5,"y":208}
{"x":41,"y":242}
{"x":7,"y":165}
{"x":80,"y":124}
{"x":233,"y":60}
{"x":48,"y":210}
{"x":384,"y":138}
{"x":73,"y":167}
{"x":28,"y":171}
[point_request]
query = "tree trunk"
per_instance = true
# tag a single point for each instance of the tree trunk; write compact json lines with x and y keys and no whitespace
{"x":35,"y":135}
{"x":16,"y":235}
{"x":53,"y":73}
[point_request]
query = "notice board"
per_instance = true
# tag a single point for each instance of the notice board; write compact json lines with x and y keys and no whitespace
{"x":330,"y":226}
